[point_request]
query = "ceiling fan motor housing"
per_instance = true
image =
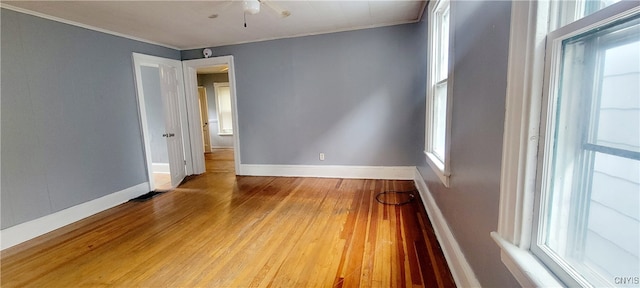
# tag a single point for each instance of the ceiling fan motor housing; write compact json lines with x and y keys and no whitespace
{"x":251,"y":6}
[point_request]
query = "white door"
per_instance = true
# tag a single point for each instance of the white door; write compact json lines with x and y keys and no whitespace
{"x":204,"y":118}
{"x":169,"y":86}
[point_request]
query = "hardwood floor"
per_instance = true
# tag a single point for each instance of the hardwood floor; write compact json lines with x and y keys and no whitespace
{"x":218,"y":230}
{"x":220,"y":160}
{"x":162,"y":181}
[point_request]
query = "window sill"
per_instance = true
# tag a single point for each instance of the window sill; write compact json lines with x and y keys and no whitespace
{"x":438,"y":168}
{"x":524,"y":266}
{"x":225,"y":134}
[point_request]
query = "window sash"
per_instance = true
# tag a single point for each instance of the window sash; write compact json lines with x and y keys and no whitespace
{"x":223,"y":108}
{"x":564,"y":12}
{"x":438,"y":121}
{"x":585,"y":151}
{"x":441,"y":56}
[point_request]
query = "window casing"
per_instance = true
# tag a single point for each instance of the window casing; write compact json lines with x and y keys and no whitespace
{"x":223,"y":108}
{"x":590,"y":144}
{"x":553,"y":210}
{"x":438,"y":90}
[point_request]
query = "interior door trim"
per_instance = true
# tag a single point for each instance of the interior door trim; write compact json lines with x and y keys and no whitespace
{"x":191,"y":82}
{"x":140,"y":60}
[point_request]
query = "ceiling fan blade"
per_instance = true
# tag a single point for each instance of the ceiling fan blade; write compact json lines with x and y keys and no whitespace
{"x":281,"y":12}
{"x":222,"y":6}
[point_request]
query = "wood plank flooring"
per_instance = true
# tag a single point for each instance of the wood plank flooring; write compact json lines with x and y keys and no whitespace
{"x":162,"y":181}
{"x":218,"y":230}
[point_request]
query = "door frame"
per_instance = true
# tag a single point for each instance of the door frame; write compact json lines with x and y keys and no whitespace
{"x":204,"y":119}
{"x":191,"y":90}
{"x":140,"y":60}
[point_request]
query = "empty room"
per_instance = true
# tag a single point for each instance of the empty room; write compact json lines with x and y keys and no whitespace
{"x":356,"y":143}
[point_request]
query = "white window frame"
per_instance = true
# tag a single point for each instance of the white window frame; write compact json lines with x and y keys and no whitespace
{"x":439,"y":166}
{"x":529,"y":28}
{"x":217,"y":86}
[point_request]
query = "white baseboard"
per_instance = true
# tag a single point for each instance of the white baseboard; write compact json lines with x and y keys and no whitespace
{"x":460,"y":269}
{"x":330,"y":171}
{"x":160,"y":168}
{"x":22,"y":232}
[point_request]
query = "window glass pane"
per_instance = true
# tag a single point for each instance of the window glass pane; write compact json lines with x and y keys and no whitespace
{"x":439,"y":120}
{"x":619,"y":108}
{"x":591,"y":214}
{"x":612,"y":241}
{"x":224,"y":110}
{"x":443,"y":50}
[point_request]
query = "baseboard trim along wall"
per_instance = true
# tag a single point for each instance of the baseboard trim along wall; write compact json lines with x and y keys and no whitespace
{"x":330,"y":171}
{"x":26,"y":231}
{"x":460,"y":269}
{"x":160,"y":168}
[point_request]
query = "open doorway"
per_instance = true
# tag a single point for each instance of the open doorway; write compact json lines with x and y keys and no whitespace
{"x":161,"y":104}
{"x":217,"y":76}
{"x":155,"y":122}
{"x":216,"y":117}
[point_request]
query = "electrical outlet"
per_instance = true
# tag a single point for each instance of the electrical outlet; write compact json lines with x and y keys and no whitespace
{"x":321,"y":156}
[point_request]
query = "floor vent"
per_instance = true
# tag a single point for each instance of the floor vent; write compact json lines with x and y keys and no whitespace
{"x":146,"y":197}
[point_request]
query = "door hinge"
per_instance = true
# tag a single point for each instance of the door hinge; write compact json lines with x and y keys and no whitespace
{"x":185,"y":162}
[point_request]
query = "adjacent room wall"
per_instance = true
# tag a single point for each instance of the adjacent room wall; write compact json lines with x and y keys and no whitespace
{"x":207,"y":81}
{"x":155,"y":114}
{"x":356,"y":96}
{"x":70,"y":129}
{"x":470,"y":205}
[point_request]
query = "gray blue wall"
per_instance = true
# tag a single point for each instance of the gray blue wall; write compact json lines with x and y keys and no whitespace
{"x":155,"y":113}
{"x":356,"y":96}
{"x":471,"y":204}
{"x":70,"y":131}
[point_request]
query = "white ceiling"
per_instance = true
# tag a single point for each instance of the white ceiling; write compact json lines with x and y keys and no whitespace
{"x":186,"y":24}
